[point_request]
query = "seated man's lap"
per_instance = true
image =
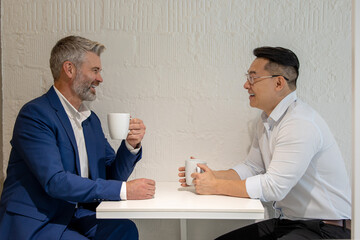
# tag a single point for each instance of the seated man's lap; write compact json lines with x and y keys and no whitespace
{"x":85,"y":224}
{"x":112,"y":229}
{"x":260,"y":230}
{"x":288,"y":230}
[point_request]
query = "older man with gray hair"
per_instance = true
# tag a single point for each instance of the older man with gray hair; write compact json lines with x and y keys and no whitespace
{"x":61,"y":164}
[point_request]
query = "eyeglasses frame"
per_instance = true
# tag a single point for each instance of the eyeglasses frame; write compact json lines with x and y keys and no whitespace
{"x":252,"y":82}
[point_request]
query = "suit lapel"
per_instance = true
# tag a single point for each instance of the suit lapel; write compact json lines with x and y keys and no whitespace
{"x":90,"y":142}
{"x":64,"y":119}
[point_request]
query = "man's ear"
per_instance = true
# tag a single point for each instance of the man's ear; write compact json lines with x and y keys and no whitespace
{"x":280,"y":82}
{"x":69,"y":69}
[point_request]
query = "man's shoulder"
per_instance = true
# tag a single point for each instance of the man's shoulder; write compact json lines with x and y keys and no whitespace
{"x":41,"y":102}
{"x":301,"y":115}
{"x":47,"y":99}
{"x":300,"y":109}
{"x":42,"y":107}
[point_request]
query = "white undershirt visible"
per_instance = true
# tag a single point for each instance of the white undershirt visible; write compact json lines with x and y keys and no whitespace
{"x":76,"y":118}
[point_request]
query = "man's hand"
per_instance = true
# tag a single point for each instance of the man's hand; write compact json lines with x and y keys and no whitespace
{"x":206,"y":182}
{"x":222,"y":183}
{"x":225,"y":182}
{"x":181,"y":174}
{"x":140,"y":189}
{"x":137,"y":132}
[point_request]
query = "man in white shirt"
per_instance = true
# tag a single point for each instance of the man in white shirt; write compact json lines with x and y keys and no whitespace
{"x":294,"y":160}
{"x":61,"y":165}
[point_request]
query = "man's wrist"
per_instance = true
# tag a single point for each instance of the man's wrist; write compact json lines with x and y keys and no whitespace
{"x":131,"y":148}
{"x":218,"y":188}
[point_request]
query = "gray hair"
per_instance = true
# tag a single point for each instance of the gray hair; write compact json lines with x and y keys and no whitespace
{"x":73,"y":49}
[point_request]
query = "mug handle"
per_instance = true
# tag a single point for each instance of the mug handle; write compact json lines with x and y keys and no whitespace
{"x":199,"y":170}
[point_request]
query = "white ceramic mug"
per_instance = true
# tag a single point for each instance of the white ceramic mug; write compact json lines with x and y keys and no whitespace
{"x":191,"y":167}
{"x":118,"y":125}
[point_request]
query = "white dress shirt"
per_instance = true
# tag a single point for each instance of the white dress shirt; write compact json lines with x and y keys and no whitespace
{"x":295,"y":161}
{"x":76,"y":118}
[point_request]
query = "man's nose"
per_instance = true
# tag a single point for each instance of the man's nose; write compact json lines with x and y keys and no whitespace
{"x":247,"y":84}
{"x":99,"y":77}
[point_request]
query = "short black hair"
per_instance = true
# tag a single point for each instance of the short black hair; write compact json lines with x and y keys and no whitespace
{"x":281,"y":56}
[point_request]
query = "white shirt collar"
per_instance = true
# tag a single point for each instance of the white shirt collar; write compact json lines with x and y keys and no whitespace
{"x":81,"y":115}
{"x":280,"y":109}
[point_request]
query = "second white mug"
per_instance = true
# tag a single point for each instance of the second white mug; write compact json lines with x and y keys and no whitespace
{"x":191,"y":167}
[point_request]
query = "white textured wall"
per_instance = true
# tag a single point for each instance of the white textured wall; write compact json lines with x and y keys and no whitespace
{"x":179,"y":65}
{"x":356,"y":117}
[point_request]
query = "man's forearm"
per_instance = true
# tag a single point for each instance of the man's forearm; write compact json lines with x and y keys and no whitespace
{"x":229,"y":183}
{"x":227,"y":174}
{"x":235,"y":188}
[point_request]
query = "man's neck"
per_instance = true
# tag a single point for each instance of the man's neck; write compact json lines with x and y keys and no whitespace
{"x":68,"y":93}
{"x":278,"y":100}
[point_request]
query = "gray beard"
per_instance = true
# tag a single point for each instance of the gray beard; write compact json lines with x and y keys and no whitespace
{"x":83,"y":91}
{"x":85,"y":94}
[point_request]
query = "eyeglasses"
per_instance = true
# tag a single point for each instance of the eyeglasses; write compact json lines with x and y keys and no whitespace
{"x":251,"y":79}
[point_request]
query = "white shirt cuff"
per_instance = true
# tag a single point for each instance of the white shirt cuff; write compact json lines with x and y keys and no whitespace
{"x":253,"y":187}
{"x":131,"y":149}
{"x":123,"y":192}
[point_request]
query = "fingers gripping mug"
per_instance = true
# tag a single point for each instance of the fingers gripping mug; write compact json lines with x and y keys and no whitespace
{"x":191,"y":167}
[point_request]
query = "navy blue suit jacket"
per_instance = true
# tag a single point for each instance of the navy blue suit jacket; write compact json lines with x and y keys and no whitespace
{"x":43,"y":181}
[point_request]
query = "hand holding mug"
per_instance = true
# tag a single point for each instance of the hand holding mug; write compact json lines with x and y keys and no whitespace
{"x":122,"y":127}
{"x":206,"y":182}
{"x":191,"y":166}
{"x":136,"y":132}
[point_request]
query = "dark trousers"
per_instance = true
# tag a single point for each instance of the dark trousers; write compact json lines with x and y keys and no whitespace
{"x":84,"y":226}
{"x":288,"y":230}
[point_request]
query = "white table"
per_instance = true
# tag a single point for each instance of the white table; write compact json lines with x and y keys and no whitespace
{"x":172,"y":201}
